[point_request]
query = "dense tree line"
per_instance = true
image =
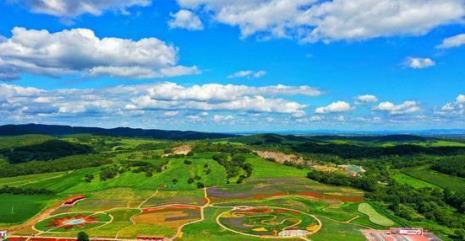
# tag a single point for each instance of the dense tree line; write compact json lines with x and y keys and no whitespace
{"x":454,"y":166}
{"x":219,"y":147}
{"x":440,"y":206}
{"x":340,"y":179}
{"x":48,"y":150}
{"x":355,"y":151}
{"x":62,"y":164}
{"x":25,"y":191}
{"x":432,"y":204}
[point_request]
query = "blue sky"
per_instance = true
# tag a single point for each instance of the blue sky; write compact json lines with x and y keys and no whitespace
{"x":219,"y":65}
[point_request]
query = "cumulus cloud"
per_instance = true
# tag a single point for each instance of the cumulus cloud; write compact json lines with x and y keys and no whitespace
{"x":169,"y":99}
{"x":73,"y":8}
{"x":248,"y":74}
{"x":335,"y":107}
{"x":455,"y":108}
{"x":419,"y":63}
{"x":363,"y":99}
{"x":453,"y":42}
{"x":407,"y":107}
{"x":81,"y":51}
{"x":312,"y":20}
{"x":185,"y":19}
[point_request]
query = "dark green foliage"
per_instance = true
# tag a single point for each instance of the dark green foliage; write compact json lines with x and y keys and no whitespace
{"x":190,"y":180}
{"x":454,"y":166}
{"x":109,"y":172}
{"x":233,"y":164}
{"x":25,"y":191}
{"x":89,"y":178}
{"x":174,"y":180}
{"x":355,"y":151}
{"x":12,"y":130}
{"x":339,"y":179}
{"x":82,"y":236}
{"x":430,"y":203}
{"x":187,"y":162}
{"x":459,"y":235}
{"x":200,"y":185}
{"x":49,"y":150}
{"x":62,"y":164}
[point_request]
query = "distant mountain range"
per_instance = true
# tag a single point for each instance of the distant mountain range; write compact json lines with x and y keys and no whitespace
{"x":430,"y":133}
{"x":58,"y":130}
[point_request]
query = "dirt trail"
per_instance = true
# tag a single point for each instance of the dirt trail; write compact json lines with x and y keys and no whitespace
{"x":281,"y":157}
{"x":202,"y":217}
{"x":32,"y":221}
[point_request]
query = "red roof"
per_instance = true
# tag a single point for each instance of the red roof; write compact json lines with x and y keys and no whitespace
{"x":74,"y":199}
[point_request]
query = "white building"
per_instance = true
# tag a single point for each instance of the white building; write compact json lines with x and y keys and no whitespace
{"x":293,"y":233}
{"x":3,"y":235}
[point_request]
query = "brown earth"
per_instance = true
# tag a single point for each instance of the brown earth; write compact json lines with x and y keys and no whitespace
{"x":281,"y":157}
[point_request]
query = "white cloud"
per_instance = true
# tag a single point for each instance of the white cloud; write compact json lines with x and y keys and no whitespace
{"x":73,"y":8}
{"x":222,"y":118}
{"x":185,"y":19}
{"x":407,"y":107}
{"x":419,"y":63}
{"x":460,"y":99}
{"x":169,"y":99}
{"x":312,"y":20}
{"x":454,"y":108}
{"x":247,"y":74}
{"x":335,"y":107}
{"x":80,"y":51}
{"x":363,"y":99}
{"x":453,"y":42}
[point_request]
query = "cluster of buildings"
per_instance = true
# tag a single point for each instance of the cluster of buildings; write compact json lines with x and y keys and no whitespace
{"x":399,"y":234}
{"x":3,"y":235}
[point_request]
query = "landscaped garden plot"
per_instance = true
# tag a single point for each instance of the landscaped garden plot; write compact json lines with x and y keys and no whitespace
{"x":193,"y":197}
{"x":109,"y":199}
{"x":171,"y":216}
{"x":272,"y":188}
{"x":269,"y":222}
{"x":73,"y":222}
{"x":373,"y":215}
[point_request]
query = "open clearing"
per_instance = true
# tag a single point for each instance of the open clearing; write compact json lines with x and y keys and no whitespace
{"x":374,"y":216}
{"x":436,"y":178}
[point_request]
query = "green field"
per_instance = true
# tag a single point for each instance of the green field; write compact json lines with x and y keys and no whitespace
{"x":452,"y":183}
{"x":374,"y":216}
{"x":152,"y":194}
{"x":411,"y":181}
{"x":19,"y":208}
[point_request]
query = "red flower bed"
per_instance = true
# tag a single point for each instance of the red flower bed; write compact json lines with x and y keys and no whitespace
{"x":74,"y":221}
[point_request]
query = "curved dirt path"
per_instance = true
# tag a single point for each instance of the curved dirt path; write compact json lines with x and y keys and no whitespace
{"x":202,"y":217}
{"x":320,"y":225}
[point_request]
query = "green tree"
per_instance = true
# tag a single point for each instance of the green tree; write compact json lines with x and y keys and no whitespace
{"x":82,"y":236}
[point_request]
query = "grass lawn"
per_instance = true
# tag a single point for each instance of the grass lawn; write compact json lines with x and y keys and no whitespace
{"x":374,"y":216}
{"x":411,"y":181}
{"x":208,"y":230}
{"x":335,"y":231}
{"x":456,"y":184}
{"x":268,"y":169}
{"x":121,"y":220}
{"x":28,"y":179}
{"x":19,"y":208}
{"x":176,"y":169}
